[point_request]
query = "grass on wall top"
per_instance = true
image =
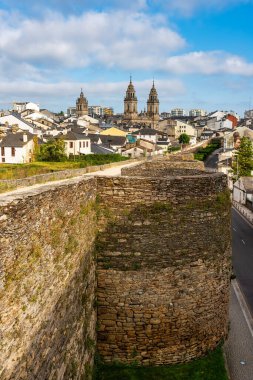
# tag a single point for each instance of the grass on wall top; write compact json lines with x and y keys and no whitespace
{"x":16,"y":171}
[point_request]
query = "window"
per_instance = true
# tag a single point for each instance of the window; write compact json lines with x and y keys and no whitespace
{"x":87,"y":144}
{"x":12,"y":151}
{"x":83,"y":144}
{"x":80,"y":144}
{"x":3,"y":159}
{"x":71,"y":144}
{"x":2,"y":151}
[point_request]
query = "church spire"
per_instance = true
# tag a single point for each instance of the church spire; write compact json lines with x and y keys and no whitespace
{"x":130,"y":102}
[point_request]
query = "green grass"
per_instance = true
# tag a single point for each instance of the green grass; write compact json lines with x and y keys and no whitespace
{"x":203,"y":153}
{"x":15,"y":171}
{"x":210,"y":367}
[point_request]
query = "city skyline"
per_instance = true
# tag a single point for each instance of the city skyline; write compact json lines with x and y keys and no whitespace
{"x":200,"y":55}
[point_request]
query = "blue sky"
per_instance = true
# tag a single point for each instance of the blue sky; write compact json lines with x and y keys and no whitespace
{"x":200,"y":53}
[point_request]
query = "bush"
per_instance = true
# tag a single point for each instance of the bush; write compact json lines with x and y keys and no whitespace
{"x":53,"y":150}
{"x":173,"y":148}
{"x":184,"y":138}
{"x":97,"y":159}
{"x":203,"y":153}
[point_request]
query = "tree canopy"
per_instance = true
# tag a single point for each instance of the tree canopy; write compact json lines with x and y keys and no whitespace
{"x":244,"y":166}
{"x":184,"y":138}
{"x":53,"y":150}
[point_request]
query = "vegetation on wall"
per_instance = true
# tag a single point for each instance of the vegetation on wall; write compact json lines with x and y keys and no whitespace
{"x":16,"y":171}
{"x":243,"y":165}
{"x":210,"y":367}
{"x":174,"y":148}
{"x":203,"y":153}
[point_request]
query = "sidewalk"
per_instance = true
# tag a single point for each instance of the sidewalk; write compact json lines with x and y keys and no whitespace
{"x":248,"y":214}
{"x":238,"y":348}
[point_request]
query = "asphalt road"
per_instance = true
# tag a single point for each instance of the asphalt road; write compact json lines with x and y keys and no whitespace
{"x":242,"y":257}
{"x":212,"y":160}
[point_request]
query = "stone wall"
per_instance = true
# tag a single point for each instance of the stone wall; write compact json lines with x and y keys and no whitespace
{"x":47,"y":306}
{"x":10,"y":184}
{"x":163,"y":267}
{"x":162,"y":246}
{"x":165,"y":167}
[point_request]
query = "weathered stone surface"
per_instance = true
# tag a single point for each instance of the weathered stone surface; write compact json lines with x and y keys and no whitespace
{"x":161,"y":243}
{"x":170,"y":283}
{"x":47,"y":309}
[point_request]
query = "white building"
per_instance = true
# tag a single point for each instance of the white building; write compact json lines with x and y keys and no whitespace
{"x":177,"y":112}
{"x":77,"y":143}
{"x":148,"y":134}
{"x":71,"y":111}
{"x":215,"y":124}
{"x":15,"y":120}
{"x":98,"y":110}
{"x":243,"y":190}
{"x":22,"y":106}
{"x":17,"y":148}
{"x":180,"y":127}
{"x":248,"y":114}
{"x":219,"y":115}
{"x":197,"y":113}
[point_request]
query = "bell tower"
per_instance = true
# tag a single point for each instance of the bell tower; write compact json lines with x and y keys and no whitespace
{"x":81,"y":105}
{"x":130,"y":103}
{"x":153,"y":105}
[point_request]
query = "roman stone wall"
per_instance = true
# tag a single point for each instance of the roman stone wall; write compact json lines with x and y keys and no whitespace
{"x":163,"y":267}
{"x":10,"y":184}
{"x":47,"y":283}
{"x":161,"y":245}
{"x":165,"y":167}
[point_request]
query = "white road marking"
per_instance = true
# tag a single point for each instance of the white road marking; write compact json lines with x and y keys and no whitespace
{"x":243,"y":305}
{"x":234,"y":229}
{"x":243,"y":241}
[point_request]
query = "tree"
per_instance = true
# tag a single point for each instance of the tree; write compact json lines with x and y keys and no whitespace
{"x":243,"y":164}
{"x":184,"y":138}
{"x":53,"y":150}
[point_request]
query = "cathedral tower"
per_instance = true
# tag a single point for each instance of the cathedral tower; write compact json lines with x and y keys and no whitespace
{"x":81,"y":105}
{"x":130,"y":103}
{"x":153,"y":105}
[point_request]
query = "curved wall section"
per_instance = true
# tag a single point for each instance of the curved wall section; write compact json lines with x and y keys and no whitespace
{"x":163,"y":267}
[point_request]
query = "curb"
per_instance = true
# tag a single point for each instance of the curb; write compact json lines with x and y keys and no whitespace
{"x":243,"y":304}
{"x":243,"y":214}
{"x":226,"y":363}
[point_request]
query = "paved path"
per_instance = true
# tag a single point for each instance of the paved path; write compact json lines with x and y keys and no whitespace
{"x":22,"y":192}
{"x":239,"y":346}
{"x":243,"y":256}
{"x":116,"y":171}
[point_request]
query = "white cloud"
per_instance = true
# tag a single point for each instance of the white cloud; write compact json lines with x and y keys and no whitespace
{"x":209,"y":63}
{"x":114,"y":39}
{"x":94,"y":89}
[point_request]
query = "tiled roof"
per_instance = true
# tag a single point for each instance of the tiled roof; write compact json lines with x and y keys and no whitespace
{"x":75,"y":136}
{"x":100,"y":149}
{"x":16,"y":140}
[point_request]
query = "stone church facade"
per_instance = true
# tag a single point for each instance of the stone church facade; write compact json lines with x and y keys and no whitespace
{"x":149,"y":117}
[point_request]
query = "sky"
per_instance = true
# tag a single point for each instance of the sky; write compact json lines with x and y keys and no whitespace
{"x":199,"y":52}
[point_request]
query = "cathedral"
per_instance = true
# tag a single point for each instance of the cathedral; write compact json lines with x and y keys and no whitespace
{"x":149,"y":117}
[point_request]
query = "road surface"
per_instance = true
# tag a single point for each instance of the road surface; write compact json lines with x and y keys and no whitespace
{"x":242,"y":233}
